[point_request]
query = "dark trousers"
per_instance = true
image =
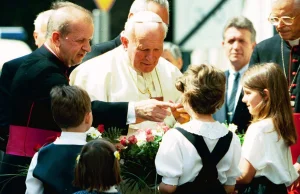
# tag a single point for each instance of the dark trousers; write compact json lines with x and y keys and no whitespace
{"x":261,"y":185}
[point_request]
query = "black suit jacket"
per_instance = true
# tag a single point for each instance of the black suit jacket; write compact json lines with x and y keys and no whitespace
{"x":8,"y":72}
{"x":32,"y":84}
{"x":241,"y":116}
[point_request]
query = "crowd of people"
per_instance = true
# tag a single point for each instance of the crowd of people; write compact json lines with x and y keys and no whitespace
{"x":133,"y":82}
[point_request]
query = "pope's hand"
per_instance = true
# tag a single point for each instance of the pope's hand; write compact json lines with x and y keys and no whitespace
{"x":152,"y":110}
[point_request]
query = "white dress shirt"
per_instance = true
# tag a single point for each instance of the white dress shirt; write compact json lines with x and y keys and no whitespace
{"x":270,"y":156}
{"x":230,"y":84}
{"x":178,"y":161}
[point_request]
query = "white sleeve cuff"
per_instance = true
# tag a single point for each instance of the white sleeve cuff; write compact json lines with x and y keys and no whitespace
{"x":131,"y":118}
{"x":230,"y":181}
{"x":170,"y":181}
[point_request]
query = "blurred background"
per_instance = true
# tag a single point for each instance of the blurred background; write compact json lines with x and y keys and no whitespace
{"x":195,"y":25}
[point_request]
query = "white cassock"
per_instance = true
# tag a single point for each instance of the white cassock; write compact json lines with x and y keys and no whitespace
{"x":111,"y":78}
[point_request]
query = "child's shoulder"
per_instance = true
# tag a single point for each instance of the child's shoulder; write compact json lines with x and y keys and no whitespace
{"x":261,"y":126}
{"x":262,"y":123}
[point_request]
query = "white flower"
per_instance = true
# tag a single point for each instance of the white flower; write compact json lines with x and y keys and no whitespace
{"x":158,"y":132}
{"x":232,"y":127}
{"x":93,"y":133}
{"x":141,"y":142}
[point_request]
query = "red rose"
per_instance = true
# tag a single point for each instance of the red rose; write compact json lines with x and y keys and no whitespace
{"x":124,"y":141}
{"x":132,"y":139}
{"x":100,"y":128}
{"x":149,"y":131}
{"x":150,"y":138}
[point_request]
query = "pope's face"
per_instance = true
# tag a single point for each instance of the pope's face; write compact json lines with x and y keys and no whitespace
{"x":145,"y":46}
{"x":74,"y":46}
{"x":286,"y":8}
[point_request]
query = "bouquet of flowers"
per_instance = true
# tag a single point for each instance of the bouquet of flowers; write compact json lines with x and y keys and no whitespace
{"x":137,"y":158}
{"x":137,"y":154}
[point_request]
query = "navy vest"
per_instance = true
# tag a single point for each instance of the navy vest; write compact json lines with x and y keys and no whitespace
{"x":55,"y":168}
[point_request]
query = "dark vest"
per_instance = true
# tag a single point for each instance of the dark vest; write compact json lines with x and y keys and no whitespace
{"x":55,"y":168}
{"x":207,"y":181}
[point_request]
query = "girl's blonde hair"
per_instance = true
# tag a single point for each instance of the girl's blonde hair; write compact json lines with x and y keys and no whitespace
{"x":277,"y":106}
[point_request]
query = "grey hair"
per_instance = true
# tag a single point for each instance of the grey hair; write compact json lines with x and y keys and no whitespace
{"x":241,"y":22}
{"x":142,"y":5}
{"x":61,"y":3}
{"x":173,"y":49}
{"x":42,"y":19}
{"x":63,"y":17}
{"x":143,"y":17}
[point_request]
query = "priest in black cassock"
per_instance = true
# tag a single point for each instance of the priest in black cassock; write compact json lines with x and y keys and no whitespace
{"x":284,"y":48}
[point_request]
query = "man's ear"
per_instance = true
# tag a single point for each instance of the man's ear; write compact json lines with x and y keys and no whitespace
{"x":35,"y":35}
{"x":124,"y":41}
{"x":253,"y":45}
{"x":129,"y":15}
{"x":56,"y":38}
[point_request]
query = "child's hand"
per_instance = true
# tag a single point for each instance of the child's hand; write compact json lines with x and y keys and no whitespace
{"x":180,"y":114}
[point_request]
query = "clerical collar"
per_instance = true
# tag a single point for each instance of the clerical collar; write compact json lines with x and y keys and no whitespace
{"x":49,"y":48}
{"x":294,"y":42}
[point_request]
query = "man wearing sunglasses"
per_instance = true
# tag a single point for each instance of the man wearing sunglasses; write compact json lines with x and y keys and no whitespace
{"x":284,"y":48}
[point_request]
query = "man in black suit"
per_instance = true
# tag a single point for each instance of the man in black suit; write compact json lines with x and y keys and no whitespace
{"x":238,"y":43}
{"x":69,"y":32}
{"x":160,"y":7}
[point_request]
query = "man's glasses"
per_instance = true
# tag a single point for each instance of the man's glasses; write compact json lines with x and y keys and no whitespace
{"x":287,"y":20}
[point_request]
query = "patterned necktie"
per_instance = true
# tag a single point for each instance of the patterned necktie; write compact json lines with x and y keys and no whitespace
{"x":231,"y":101}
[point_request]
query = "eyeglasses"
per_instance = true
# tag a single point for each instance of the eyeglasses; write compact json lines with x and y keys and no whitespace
{"x":287,"y":20}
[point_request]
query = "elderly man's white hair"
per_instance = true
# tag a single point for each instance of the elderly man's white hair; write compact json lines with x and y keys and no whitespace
{"x":143,"y":17}
{"x":42,"y":20}
{"x":142,"y":5}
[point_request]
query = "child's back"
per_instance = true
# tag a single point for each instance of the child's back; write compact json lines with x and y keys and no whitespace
{"x":52,"y":168}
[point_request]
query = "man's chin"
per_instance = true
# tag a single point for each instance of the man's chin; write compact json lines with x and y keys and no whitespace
{"x":285,"y":35}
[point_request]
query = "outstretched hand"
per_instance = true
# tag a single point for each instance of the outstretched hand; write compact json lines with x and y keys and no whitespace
{"x":152,"y":110}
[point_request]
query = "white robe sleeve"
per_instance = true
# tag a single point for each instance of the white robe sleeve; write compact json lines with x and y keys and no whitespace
{"x":33,"y":185}
{"x":169,"y":161}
